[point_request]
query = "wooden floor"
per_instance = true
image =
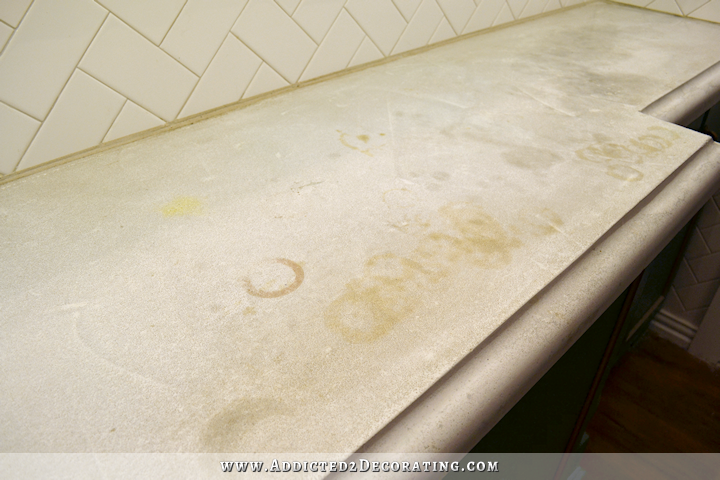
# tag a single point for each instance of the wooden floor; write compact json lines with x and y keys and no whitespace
{"x":658,"y":398}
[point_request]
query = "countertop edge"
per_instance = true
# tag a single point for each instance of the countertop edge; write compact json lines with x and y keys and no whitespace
{"x":690,"y":100}
{"x":468,"y":401}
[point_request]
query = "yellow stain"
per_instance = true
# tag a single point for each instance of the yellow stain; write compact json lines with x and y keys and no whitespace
{"x":182,"y":206}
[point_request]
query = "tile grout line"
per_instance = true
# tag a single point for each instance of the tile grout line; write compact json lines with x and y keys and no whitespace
{"x":331,"y":25}
{"x":366,"y":34}
{"x":337,"y":17}
{"x":694,"y":9}
{"x":262,"y":60}
{"x":301,"y":27}
{"x":200,"y":77}
{"x":448,"y":20}
{"x":500,"y":11}
{"x":692,"y":273}
{"x":172,"y":25}
{"x":407,"y":25}
{"x":15,"y":29}
{"x":253,"y":77}
{"x":42,"y":122}
{"x":153,"y":44}
{"x":221,"y":44}
{"x":114,"y":119}
{"x":438,"y":27}
{"x":20,"y":111}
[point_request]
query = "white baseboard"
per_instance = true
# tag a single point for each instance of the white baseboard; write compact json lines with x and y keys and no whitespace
{"x":673,"y":328}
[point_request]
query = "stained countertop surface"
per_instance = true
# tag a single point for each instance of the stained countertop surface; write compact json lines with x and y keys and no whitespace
{"x":292,"y":275}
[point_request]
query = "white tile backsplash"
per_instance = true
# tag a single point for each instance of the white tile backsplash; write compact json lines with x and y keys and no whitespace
{"x":422,"y":26}
{"x":381,"y":21}
{"x":457,"y":12}
{"x":317,"y":16}
{"x":517,"y":6}
{"x":167,"y":59}
{"x":288,"y":5}
{"x":46,"y":47}
{"x":275,"y":37}
{"x":16,"y":133}
{"x":265,"y":80}
{"x":127,"y":62}
{"x":504,"y":16}
{"x":80,"y":119}
{"x":689,"y":6}
{"x":535,"y":7}
{"x":667,"y":6}
{"x":407,"y":7}
{"x":343,"y":40}
{"x":366,"y":53}
{"x":12,"y":11}
{"x":152,"y":18}
{"x":710,"y":12}
{"x":199,"y":31}
{"x":226,"y":78}
{"x":5,"y":33}
{"x":484,"y":15}
{"x":132,"y":119}
{"x":442,"y":32}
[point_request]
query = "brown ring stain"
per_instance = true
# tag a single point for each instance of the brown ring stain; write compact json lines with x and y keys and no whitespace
{"x":299,"y":277}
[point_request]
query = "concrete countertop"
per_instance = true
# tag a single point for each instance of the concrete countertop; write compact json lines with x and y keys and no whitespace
{"x":383,"y":261}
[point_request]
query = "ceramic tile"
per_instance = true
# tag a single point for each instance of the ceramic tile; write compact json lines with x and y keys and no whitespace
{"x":517,"y":6}
{"x":667,"y":6}
{"x":696,"y":245}
{"x":15,"y":135}
{"x":265,"y":80}
{"x":41,"y":56}
{"x":504,"y":16}
{"x":152,"y":18}
{"x":132,"y":119}
{"x":684,"y":276}
{"x":443,"y":32}
{"x":288,"y":5}
{"x":421,"y":27}
{"x":275,"y":37}
{"x":672,"y":303}
{"x":709,"y":215}
{"x":367,"y":52}
{"x":705,"y":268}
{"x":199,"y":31}
{"x":380,"y":20}
{"x":710,"y":12}
{"x":689,"y":6}
{"x":552,"y":5}
{"x":711,"y":235}
{"x":535,"y":7}
{"x":124,"y":60}
{"x":12,"y":11}
{"x":407,"y":7}
{"x":636,"y":3}
{"x":317,"y":16}
{"x":484,"y":15}
{"x":458,"y":12}
{"x":5,"y":33}
{"x":226,"y":78}
{"x":80,"y":119}
{"x":698,"y":296}
{"x":334,"y":54}
{"x":694,"y":317}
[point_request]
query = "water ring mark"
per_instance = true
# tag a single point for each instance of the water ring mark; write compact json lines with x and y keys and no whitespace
{"x":299,"y":277}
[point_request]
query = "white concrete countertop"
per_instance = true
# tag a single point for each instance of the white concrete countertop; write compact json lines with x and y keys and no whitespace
{"x":384,"y":261}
